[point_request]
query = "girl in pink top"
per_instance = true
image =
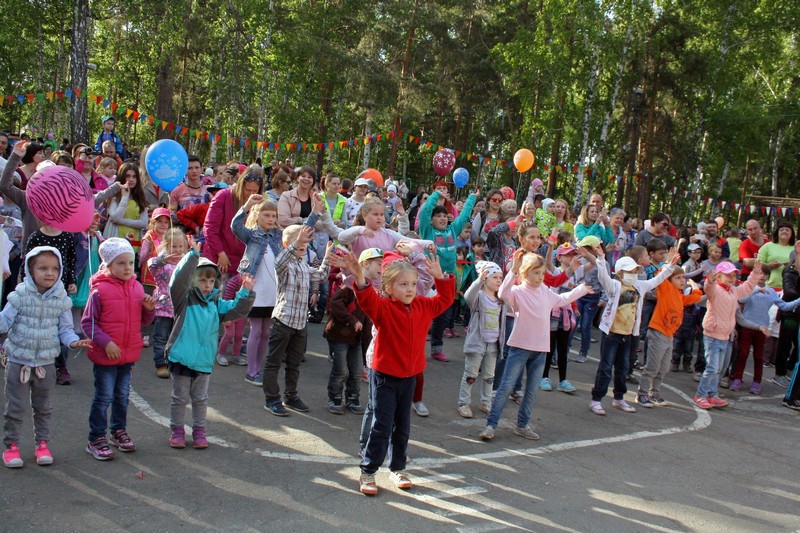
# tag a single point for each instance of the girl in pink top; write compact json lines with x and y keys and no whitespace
{"x":529,"y":343}
{"x":369,"y":229}
{"x":723,"y":300}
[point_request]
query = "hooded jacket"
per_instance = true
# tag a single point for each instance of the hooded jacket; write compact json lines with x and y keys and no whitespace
{"x":37,"y":323}
{"x":193,"y":341}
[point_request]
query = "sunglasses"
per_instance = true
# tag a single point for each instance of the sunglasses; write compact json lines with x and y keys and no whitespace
{"x":252,"y":177}
{"x":495,"y":200}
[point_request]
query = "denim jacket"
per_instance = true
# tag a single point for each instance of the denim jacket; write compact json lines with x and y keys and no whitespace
{"x":256,"y":241}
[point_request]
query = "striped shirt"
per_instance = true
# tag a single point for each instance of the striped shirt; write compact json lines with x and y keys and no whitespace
{"x":295,"y":279}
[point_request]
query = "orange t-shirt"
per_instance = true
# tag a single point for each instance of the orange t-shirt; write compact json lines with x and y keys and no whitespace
{"x":668,"y":314}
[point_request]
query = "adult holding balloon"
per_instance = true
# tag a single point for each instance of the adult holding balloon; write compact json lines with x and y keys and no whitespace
{"x":65,"y":210}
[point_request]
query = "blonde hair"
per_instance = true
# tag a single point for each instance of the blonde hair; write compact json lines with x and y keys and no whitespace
{"x":393,"y":270}
{"x":526,"y":205}
{"x":255,"y":211}
{"x":369,"y":203}
{"x":530,"y":262}
{"x":290,"y":234}
{"x":713,"y":245}
{"x":169,"y":238}
{"x":105,"y":163}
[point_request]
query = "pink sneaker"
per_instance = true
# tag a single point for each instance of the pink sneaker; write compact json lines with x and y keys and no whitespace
{"x":440,"y":356}
{"x":12,"y":458}
{"x":702,"y":402}
{"x":454,"y":333}
{"x":716,"y":401}
{"x":448,"y":333}
{"x":199,"y":440}
{"x":43,"y":455}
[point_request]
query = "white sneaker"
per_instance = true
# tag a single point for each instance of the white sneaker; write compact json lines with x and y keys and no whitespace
{"x":624,"y":406}
{"x":420,"y":408}
{"x":465,"y":411}
{"x":401,"y":480}
{"x":222,"y":360}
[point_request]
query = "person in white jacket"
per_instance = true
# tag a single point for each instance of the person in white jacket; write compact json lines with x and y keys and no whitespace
{"x":620,"y":323}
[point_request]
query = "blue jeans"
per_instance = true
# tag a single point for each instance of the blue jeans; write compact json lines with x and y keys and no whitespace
{"x":519,"y":361}
{"x":587,"y":307}
{"x":345,"y":372}
{"x":500,"y":364}
{"x":391,"y":422}
{"x":614,"y":350}
{"x":162,"y":327}
{"x":715,"y":355}
{"x":112,"y":384}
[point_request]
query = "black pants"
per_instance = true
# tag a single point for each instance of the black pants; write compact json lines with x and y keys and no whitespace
{"x":391,"y":424}
{"x":786,"y":358}
{"x":559,"y":344}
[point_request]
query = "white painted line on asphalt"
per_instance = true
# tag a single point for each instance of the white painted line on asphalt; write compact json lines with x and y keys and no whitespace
{"x":702,"y":421}
{"x":456,"y":492}
{"x":436,"y":478}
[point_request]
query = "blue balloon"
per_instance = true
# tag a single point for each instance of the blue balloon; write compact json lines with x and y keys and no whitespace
{"x":166,"y":163}
{"x":460,"y":177}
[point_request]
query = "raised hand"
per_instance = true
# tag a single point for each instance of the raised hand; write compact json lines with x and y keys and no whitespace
{"x":317,"y":203}
{"x":434,"y":267}
{"x":253,"y":200}
{"x":329,"y":251}
{"x":248,"y":281}
{"x":589,"y":289}
{"x":401,"y":211}
{"x":517,"y":260}
{"x":197,"y":246}
{"x":305,"y":236}
{"x":20,"y":148}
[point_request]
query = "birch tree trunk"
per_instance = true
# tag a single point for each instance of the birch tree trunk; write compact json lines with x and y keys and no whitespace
{"x":612,"y":104}
{"x":79,"y":58}
{"x":367,"y":134}
{"x":776,"y":160}
{"x":587,"y":119}
{"x":721,"y":185}
{"x":401,"y":94}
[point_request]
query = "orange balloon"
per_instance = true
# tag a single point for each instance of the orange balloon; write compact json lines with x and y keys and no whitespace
{"x":372,"y":174}
{"x":523,"y":160}
{"x":720,"y":222}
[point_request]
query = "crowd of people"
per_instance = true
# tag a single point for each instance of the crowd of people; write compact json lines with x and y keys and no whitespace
{"x":231,"y":266}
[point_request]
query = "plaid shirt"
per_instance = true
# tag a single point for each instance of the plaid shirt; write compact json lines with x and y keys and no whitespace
{"x":295,"y":279}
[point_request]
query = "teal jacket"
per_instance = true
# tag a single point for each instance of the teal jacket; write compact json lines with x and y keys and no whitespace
{"x":601,"y":232}
{"x":445,"y":240}
{"x":193,"y":340}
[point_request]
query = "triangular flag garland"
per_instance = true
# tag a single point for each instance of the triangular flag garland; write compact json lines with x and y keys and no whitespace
{"x":484,"y":160}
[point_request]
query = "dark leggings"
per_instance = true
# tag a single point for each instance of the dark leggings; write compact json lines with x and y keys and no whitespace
{"x":787,"y":347}
{"x":559,"y":343}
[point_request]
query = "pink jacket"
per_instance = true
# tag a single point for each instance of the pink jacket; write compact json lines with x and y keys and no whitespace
{"x":532,"y":309}
{"x":218,"y":233}
{"x":722,"y":304}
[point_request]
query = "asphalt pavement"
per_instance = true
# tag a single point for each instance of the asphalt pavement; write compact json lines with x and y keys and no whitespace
{"x":674,"y":468}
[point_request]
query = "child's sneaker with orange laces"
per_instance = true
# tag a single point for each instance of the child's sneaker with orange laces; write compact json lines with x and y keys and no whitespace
{"x":43,"y":455}
{"x":12,"y":458}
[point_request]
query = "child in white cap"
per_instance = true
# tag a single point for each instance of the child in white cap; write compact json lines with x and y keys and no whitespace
{"x":485,"y":336}
{"x":113,"y":318}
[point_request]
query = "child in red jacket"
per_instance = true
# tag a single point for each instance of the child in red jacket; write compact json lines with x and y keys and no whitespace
{"x":402,"y":319}
{"x":113,"y":319}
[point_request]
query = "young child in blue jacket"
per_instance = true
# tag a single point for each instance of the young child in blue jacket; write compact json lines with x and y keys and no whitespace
{"x":192,"y":345}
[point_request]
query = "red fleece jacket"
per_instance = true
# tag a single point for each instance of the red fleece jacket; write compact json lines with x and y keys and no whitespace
{"x":402,"y":329}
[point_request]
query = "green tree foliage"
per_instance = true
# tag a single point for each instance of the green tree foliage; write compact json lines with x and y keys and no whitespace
{"x":685,"y":93}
